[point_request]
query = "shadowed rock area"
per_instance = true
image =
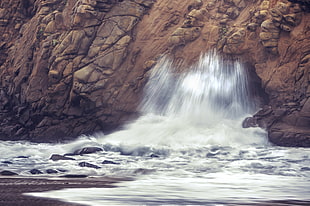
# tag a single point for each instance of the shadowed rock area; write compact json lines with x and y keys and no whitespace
{"x":79,"y":66}
{"x":12,"y":189}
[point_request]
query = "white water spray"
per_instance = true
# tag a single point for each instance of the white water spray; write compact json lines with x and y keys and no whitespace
{"x":213,"y":88}
{"x":204,"y":106}
{"x":188,"y":147}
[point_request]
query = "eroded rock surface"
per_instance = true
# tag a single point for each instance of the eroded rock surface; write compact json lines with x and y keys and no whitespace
{"x":79,"y":66}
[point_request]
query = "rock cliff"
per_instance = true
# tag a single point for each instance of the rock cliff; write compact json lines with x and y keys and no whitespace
{"x":79,"y":66}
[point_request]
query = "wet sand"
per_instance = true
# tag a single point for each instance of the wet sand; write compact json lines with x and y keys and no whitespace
{"x":12,"y":189}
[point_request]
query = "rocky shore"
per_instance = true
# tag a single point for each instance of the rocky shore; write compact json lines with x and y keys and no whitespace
{"x":12,"y":189}
{"x":79,"y":66}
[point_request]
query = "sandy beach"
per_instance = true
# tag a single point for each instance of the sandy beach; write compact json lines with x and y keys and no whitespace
{"x":12,"y":191}
{"x":13,"y":188}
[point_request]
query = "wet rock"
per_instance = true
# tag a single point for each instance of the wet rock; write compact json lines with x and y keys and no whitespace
{"x":249,"y":122}
{"x":7,"y":173}
{"x":86,"y":164}
{"x":87,"y":150}
{"x":142,"y":171}
{"x":154,"y":156}
{"x":22,"y":157}
{"x":35,"y":172}
{"x":74,"y":176}
{"x":110,"y":162}
{"x":62,"y":170}
{"x":56,"y":157}
{"x":78,"y":64}
{"x":305,"y":169}
{"x":7,"y":162}
{"x":51,"y":171}
{"x":287,"y":135}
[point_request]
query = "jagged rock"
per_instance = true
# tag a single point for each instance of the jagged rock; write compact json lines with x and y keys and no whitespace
{"x":87,"y":150}
{"x":146,"y":3}
{"x":149,"y":64}
{"x":183,"y":35}
{"x":252,"y":27}
{"x":249,"y":122}
{"x":78,"y":68}
{"x":197,"y":4}
{"x":264,"y":5}
{"x":234,"y":42}
{"x":233,"y":13}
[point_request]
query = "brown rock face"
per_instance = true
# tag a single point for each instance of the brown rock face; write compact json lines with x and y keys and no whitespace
{"x":78,"y":66}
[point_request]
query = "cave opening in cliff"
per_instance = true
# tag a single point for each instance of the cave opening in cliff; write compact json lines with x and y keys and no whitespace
{"x":258,"y":93}
{"x":189,"y":131}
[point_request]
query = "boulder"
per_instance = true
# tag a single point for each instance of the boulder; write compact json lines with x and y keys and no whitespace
{"x":77,"y":68}
{"x":56,"y":157}
{"x":51,"y":171}
{"x":87,"y":150}
{"x":7,"y":173}
{"x":106,"y":162}
{"x":35,"y":172}
{"x":86,"y":164}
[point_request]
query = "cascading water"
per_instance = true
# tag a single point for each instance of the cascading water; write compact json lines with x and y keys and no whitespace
{"x":188,"y":147}
{"x":212,"y":88}
{"x":201,"y":107}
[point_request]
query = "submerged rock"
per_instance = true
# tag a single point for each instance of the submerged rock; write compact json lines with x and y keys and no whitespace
{"x":51,"y":171}
{"x":143,"y":171}
{"x":56,"y":157}
{"x":65,"y":75}
{"x":86,"y":164}
{"x":36,"y":172}
{"x":7,"y":173}
{"x":22,"y":157}
{"x":105,"y":162}
{"x":154,"y":156}
{"x":87,"y":150}
{"x":74,"y":176}
{"x":7,"y":162}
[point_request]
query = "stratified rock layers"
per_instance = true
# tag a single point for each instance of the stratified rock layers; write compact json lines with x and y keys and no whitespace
{"x":79,"y":66}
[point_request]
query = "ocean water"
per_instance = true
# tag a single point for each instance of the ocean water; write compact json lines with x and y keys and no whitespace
{"x":187,"y":148}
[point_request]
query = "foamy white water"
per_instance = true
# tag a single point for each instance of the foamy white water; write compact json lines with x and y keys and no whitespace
{"x":188,"y":147}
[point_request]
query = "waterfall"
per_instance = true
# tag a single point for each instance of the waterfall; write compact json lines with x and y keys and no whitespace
{"x":204,"y":106}
{"x":211,"y":89}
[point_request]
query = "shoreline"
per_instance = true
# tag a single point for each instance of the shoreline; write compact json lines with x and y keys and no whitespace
{"x":12,"y":189}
